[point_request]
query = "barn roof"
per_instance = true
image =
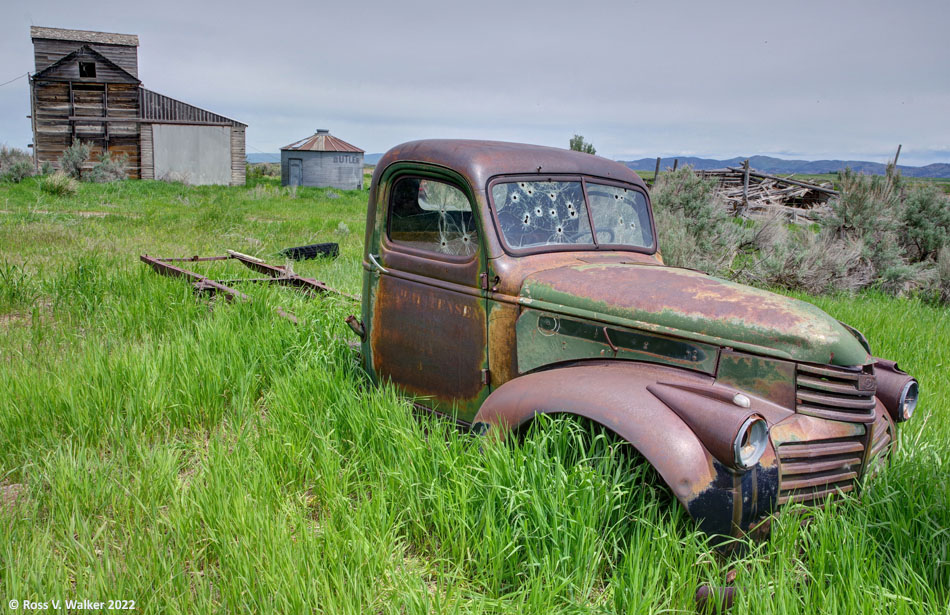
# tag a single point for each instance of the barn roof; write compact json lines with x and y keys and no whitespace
{"x":322,"y":141}
{"x":84,"y":36}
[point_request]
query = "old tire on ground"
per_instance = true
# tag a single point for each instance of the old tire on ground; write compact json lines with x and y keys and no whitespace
{"x":299,"y":253}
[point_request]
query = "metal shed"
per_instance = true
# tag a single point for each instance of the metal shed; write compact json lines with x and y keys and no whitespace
{"x":322,"y":160}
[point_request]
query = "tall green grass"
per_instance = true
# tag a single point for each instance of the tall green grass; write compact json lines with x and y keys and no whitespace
{"x":197,"y":456}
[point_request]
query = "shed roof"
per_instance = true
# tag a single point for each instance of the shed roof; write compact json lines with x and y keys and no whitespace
{"x":322,"y":141}
{"x":163,"y":108}
{"x":84,"y":36}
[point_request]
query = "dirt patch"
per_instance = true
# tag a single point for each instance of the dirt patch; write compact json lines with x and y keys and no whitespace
{"x":8,"y":321}
{"x":10,"y":495}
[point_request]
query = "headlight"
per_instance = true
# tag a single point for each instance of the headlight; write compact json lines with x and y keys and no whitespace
{"x":908,"y":401}
{"x":896,"y":389}
{"x":750,"y":442}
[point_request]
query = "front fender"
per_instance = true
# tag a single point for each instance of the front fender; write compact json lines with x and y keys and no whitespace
{"x":616,"y":395}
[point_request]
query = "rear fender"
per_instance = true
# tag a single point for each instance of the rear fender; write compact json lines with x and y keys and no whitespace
{"x":618,"y":396}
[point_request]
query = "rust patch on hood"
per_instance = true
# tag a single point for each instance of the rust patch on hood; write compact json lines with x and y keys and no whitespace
{"x":694,"y":305}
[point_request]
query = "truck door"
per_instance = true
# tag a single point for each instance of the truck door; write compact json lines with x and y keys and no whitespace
{"x":428,"y":331}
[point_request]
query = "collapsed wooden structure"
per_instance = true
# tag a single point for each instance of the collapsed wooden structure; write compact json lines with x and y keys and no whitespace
{"x":750,"y":193}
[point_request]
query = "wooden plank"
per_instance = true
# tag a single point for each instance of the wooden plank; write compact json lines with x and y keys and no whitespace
{"x":788,"y":181}
{"x":148,"y":161}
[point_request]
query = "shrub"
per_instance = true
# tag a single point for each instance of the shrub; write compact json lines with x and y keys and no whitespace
{"x":109,"y":169}
{"x":263,"y":169}
{"x":15,"y":164}
{"x":926,"y":222}
{"x":10,"y":155}
{"x":59,"y":184}
{"x":17,"y":172}
{"x":803,"y":259}
{"x":694,"y":228}
{"x":942,"y":275}
{"x":47,"y":168}
{"x":74,"y":158}
{"x":868,"y":209}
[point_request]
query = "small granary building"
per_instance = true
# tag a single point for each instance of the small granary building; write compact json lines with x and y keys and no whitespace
{"x":86,"y":87}
{"x":322,"y":160}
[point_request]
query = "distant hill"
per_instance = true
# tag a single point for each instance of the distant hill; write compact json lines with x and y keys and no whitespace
{"x":767,"y":164}
{"x":262,"y":157}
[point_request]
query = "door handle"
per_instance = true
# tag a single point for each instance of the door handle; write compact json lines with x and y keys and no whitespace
{"x":372,"y":259}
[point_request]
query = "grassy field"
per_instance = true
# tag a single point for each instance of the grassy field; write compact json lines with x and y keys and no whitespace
{"x":198,"y":456}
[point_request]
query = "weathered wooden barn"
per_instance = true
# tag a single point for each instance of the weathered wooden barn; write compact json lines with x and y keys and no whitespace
{"x":322,"y":160}
{"x":86,"y":87}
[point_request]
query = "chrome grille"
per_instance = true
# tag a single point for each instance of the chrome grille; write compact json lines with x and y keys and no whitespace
{"x":836,"y":393}
{"x":815,"y":469}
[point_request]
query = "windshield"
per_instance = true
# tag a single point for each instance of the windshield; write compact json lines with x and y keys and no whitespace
{"x":534,"y":214}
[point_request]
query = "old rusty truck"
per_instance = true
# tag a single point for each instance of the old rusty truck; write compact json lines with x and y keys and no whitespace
{"x":502,"y":281}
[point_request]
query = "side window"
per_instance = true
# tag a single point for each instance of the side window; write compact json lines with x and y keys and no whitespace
{"x":432,"y":215}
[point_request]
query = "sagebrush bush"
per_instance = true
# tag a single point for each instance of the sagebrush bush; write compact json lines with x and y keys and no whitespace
{"x":15,"y":164}
{"x":9,"y":155}
{"x":109,"y":169}
{"x":694,"y":227}
{"x":47,"y":168}
{"x":59,"y":184}
{"x":925,"y":218}
{"x":803,"y":259}
{"x":942,"y":277}
{"x":17,"y":171}
{"x":869,"y":209}
{"x":74,"y":158}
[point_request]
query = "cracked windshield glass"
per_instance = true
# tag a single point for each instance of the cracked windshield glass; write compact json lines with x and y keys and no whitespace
{"x":534,"y":214}
{"x":434,"y":216}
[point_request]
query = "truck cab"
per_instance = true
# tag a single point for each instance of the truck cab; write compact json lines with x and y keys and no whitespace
{"x":504,"y":280}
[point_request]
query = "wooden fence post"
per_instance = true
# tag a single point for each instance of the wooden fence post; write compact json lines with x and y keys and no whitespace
{"x":656,"y":172}
{"x":745,"y":186}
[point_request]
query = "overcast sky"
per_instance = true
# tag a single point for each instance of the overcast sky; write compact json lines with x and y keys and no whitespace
{"x":638,"y":79}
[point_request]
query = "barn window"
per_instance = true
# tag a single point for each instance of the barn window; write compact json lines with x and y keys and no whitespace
{"x":87,"y":70}
{"x":432,"y":215}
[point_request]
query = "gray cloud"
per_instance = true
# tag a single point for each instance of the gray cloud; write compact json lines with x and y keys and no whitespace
{"x":813,"y":80}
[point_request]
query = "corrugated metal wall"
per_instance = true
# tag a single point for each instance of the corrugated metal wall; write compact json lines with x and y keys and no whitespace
{"x":341,"y":170}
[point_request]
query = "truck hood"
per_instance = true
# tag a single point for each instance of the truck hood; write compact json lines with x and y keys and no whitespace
{"x":696,"y":306}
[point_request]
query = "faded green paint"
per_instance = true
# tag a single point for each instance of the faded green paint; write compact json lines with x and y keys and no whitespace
{"x":545,"y":338}
{"x":772,"y":379}
{"x":695,"y":306}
